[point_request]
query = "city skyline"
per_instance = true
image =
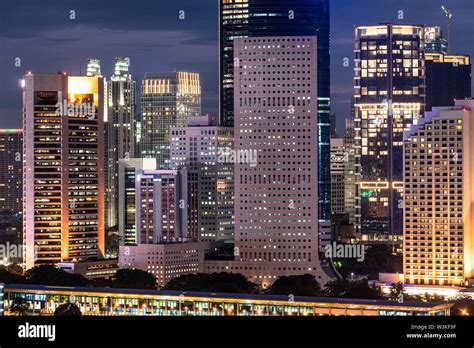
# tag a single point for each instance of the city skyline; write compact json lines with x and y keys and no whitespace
{"x":238,"y":158}
{"x":152,"y":51}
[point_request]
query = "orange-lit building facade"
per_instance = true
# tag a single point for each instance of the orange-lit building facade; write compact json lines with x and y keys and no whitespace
{"x":63,"y":152}
{"x":439,"y":197}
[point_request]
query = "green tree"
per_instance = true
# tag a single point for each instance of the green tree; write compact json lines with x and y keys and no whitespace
{"x":67,"y":309}
{"x":128,"y":278}
{"x":50,"y":275}
{"x":298,"y":285}
{"x":19,"y":306}
{"x":215,"y":282}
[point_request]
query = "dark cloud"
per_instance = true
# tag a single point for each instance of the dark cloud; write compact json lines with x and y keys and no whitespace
{"x":152,"y":35}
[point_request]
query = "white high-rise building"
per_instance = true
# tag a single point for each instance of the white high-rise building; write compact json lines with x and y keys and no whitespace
{"x":439,"y":197}
{"x":276,"y":166}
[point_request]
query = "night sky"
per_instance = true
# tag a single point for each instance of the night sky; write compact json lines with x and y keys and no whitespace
{"x":156,"y":40}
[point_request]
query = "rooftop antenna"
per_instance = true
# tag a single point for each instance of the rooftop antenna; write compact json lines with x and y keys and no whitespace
{"x":449,"y":17}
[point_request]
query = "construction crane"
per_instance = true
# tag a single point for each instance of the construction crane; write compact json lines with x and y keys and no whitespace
{"x":449,"y":17}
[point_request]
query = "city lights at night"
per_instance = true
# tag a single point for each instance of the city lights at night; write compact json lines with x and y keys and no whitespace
{"x":184,"y":172}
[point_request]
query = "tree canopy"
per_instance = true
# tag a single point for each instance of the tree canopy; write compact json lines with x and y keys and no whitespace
{"x":128,"y":278}
{"x":215,"y":282}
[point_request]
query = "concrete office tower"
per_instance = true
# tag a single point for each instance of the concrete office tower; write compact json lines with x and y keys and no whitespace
{"x":160,"y":209}
{"x":63,"y":158}
{"x":120,"y":132}
{"x":262,"y":18}
{"x":11,"y":171}
{"x":389,"y":98}
{"x":201,"y":149}
{"x":129,"y":172}
{"x":337,"y":176}
{"x":439,"y":197}
{"x":164,"y":261}
{"x":349,"y":171}
{"x":152,"y":203}
{"x":276,"y":125}
{"x":167,"y":100}
{"x":93,"y":67}
{"x":435,"y":43}
{"x":448,"y":78}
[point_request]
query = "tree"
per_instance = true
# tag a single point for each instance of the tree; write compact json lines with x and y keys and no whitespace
{"x":50,"y":275}
{"x":397,"y":291}
{"x":297,"y":285}
{"x":112,"y":244}
{"x":378,"y":258}
{"x":67,"y":309}
{"x":8,"y":277}
{"x":215,"y":282}
{"x":128,"y":278}
{"x":19,"y":306}
{"x":362,"y":290}
{"x":463,"y":306}
{"x":352,"y":289}
{"x":335,"y":288}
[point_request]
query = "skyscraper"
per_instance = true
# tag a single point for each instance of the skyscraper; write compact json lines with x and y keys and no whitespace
{"x":389,"y":98}
{"x":435,"y":43}
{"x":11,"y":171}
{"x":93,"y":67}
{"x":161,"y":206}
{"x":439,"y":197}
{"x":167,"y":100}
{"x":448,"y":78}
{"x":349,"y":171}
{"x":129,"y":172}
{"x":276,"y":122}
{"x":201,"y":148}
{"x":63,"y":151}
{"x":337,"y":176}
{"x":120,"y":132}
{"x":262,"y":18}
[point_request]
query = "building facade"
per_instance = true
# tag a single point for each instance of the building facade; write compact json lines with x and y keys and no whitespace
{"x":263,"y":18}
{"x":276,"y":210}
{"x":389,"y":98}
{"x":167,"y":100}
{"x":439,"y":195}
{"x":204,"y":149}
{"x":120,"y":132}
{"x":63,"y":165}
{"x":165,"y":261}
{"x":448,"y":78}
{"x":435,"y":42}
{"x":337,"y":176}
{"x":43,"y":300}
{"x":11,"y":171}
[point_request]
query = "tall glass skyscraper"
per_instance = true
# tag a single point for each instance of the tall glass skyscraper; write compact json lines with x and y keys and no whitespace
{"x":389,"y":98}
{"x":258,"y":18}
{"x":167,"y":100}
{"x":120,"y":131}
